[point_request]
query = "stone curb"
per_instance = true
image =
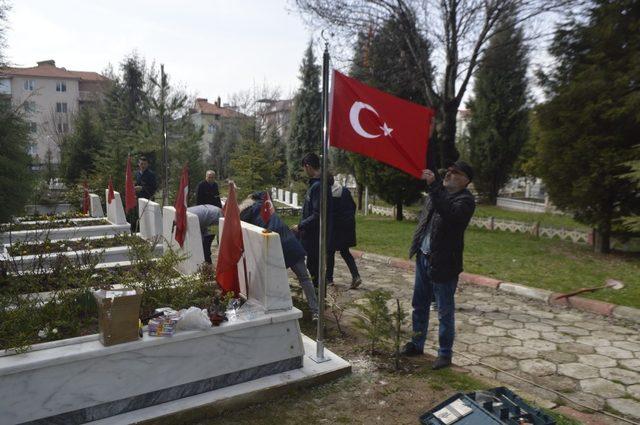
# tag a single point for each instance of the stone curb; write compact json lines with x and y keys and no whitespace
{"x":549,"y":297}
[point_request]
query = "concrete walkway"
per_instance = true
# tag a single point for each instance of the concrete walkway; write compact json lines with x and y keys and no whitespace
{"x":592,"y":359}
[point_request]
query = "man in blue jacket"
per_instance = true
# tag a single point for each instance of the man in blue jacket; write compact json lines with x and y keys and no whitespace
{"x":292,"y":250}
{"x":308,"y":230}
{"x":438,"y":243}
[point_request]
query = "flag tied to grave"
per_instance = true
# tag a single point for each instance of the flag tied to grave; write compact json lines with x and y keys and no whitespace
{"x":267,"y":209}
{"x":129,"y":188}
{"x":111,"y":195}
{"x":181,"y":206}
{"x":378,"y":125}
{"x":86,"y":203}
{"x":231,"y":245}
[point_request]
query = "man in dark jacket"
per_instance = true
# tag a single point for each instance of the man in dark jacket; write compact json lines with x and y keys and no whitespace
{"x":438,"y":242}
{"x":343,"y":215}
{"x":292,"y":250}
{"x":207,"y":192}
{"x":308,"y":230}
{"x":146,"y":184}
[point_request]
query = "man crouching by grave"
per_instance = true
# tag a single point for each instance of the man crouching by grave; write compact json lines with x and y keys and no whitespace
{"x":292,"y":249}
{"x":208,"y":215}
{"x":438,"y":242}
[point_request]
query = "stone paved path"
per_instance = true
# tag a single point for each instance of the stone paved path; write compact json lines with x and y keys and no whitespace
{"x":592,"y":359}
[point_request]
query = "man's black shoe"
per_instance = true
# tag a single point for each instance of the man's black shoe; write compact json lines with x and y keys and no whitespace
{"x":410,"y":350}
{"x":441,"y":362}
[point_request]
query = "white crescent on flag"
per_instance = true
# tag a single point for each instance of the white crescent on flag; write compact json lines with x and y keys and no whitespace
{"x":354,"y":118}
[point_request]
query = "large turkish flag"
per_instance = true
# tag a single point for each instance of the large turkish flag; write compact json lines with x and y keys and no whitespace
{"x":375,"y":124}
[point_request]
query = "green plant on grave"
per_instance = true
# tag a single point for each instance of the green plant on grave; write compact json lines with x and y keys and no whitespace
{"x":374,"y":318}
{"x":400,"y":317}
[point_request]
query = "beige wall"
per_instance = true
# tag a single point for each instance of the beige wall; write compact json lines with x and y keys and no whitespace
{"x":45,"y":96}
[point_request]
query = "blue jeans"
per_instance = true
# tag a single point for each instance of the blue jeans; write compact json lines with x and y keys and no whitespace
{"x":423,"y":291}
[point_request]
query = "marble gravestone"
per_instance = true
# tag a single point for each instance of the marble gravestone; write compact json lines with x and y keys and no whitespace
{"x":192,"y":247}
{"x":287,"y":197}
{"x":150,"y":217}
{"x":262,"y":264}
{"x":294,"y":199}
{"x":96,"y":206}
{"x":115,"y":210}
{"x":78,"y":380}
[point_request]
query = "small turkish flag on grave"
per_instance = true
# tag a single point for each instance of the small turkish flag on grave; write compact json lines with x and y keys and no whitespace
{"x":129,"y":188}
{"x":375,"y":124}
{"x":111,"y":195}
{"x":267,"y":209}
{"x":231,"y":246}
{"x":86,"y":203}
{"x":181,"y":206}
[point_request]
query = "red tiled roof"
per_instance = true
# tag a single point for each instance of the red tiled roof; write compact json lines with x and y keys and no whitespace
{"x":205,"y":107}
{"x":52,"y":71}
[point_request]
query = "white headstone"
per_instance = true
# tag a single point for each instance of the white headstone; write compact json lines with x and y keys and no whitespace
{"x":287,"y":197}
{"x":280,"y":195}
{"x":294,"y":199}
{"x":266,"y":278}
{"x":192,"y":247}
{"x":150,"y":219}
{"x":96,"y":206}
{"x":115,"y":211}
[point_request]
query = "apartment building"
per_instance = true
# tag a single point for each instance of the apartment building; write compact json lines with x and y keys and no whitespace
{"x":210,"y":117}
{"x":49,"y":96}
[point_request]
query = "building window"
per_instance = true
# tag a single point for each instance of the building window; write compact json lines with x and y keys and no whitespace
{"x":211,"y":129}
{"x":29,"y":84}
{"x":61,"y":107}
{"x":33,"y":127}
{"x":63,"y":127}
{"x":29,"y":106}
{"x":61,"y":86}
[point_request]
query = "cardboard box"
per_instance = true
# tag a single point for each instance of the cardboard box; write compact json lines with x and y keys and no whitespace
{"x":118,"y":313}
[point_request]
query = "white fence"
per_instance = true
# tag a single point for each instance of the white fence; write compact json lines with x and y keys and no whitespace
{"x":492,"y":223}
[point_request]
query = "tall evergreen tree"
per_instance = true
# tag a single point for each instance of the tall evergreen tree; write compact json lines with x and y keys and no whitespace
{"x":591,"y":122}
{"x":252,"y":167}
{"x":79,"y":150}
{"x":15,"y":177}
{"x":306,"y":124}
{"x":276,"y":153}
{"x":377,"y":63}
{"x":499,"y":118}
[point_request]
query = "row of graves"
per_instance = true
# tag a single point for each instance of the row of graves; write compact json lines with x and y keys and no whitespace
{"x":99,"y":324}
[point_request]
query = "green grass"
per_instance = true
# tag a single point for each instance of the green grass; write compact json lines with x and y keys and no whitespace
{"x":551,"y":264}
{"x":545,"y":219}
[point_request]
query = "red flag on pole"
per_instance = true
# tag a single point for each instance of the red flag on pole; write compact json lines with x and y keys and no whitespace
{"x":86,"y":203}
{"x":375,"y":124}
{"x":129,"y":188}
{"x":111,"y":195}
{"x":181,"y":206}
{"x":267,"y":209}
{"x":231,"y":246}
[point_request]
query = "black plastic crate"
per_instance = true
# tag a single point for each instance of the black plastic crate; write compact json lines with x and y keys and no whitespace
{"x":495,"y":406}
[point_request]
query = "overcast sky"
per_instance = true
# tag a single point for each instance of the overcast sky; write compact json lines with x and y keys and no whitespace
{"x":209,"y":47}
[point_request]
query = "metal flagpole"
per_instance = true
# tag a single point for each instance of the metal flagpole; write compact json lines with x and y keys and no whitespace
{"x":320,"y":357}
{"x":165,"y":147}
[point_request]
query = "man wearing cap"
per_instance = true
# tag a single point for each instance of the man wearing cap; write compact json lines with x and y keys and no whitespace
{"x":438,"y":243}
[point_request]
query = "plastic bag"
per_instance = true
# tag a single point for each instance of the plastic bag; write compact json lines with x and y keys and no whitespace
{"x":193,"y":318}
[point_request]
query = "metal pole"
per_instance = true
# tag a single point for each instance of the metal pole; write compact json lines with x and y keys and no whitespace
{"x":323,"y":205}
{"x":165,"y":146}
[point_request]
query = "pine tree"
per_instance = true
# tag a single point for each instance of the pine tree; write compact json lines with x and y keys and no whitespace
{"x":251,"y":166}
{"x":376,"y":63}
{"x":15,"y":177}
{"x":276,"y":153}
{"x":79,"y":150}
{"x":306,"y":123}
{"x":591,"y":122}
{"x":499,"y":116}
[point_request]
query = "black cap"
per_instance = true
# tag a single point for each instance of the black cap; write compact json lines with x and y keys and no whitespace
{"x":464,"y":167}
